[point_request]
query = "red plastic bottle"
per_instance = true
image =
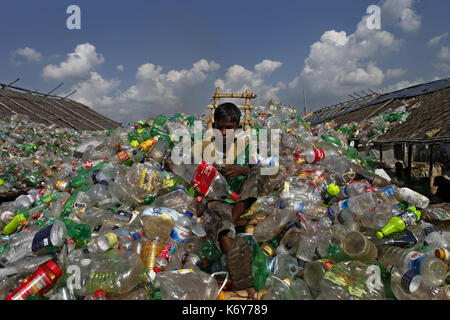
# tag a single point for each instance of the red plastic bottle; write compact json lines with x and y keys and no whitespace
{"x":39,"y":282}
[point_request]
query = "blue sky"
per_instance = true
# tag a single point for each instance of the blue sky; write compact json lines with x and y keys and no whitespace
{"x":134,"y":59}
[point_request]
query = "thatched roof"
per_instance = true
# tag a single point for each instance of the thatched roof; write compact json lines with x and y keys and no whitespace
{"x":433,"y":113}
{"x":47,"y":109}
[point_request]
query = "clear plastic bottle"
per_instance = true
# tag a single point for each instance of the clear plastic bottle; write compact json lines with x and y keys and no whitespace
{"x":314,"y":272}
{"x":178,"y":235}
{"x":25,"y":243}
{"x":290,"y":241}
{"x":430,"y":267}
{"x":285,"y":266}
{"x":359,"y":247}
{"x":414,"y":198}
{"x":300,"y":290}
{"x":273,"y":224}
{"x":150,"y":252}
{"x":279,"y":289}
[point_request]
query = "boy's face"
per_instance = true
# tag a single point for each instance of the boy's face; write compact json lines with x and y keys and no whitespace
{"x":225,"y":125}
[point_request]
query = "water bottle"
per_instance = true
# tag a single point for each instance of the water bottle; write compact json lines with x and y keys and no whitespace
{"x":430,"y":267}
{"x":314,"y":272}
{"x":178,"y":235}
{"x":278,"y":289}
{"x":23,"y":243}
{"x":300,"y":290}
{"x":289,"y":242}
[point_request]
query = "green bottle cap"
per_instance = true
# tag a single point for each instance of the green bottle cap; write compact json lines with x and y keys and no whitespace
{"x":333,"y":190}
{"x":416,"y":212}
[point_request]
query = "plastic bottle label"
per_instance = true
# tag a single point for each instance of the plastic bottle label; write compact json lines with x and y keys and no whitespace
{"x":179,"y":234}
{"x":42,"y":239}
{"x":167,"y":252}
{"x":343,"y":205}
{"x":407,"y":278}
{"x":182,"y":271}
{"x":61,"y":185}
{"x":429,"y":230}
{"x":124,"y":215}
{"x":123,"y":156}
{"x":203,"y":177}
{"x":112,"y":239}
{"x":327,"y":263}
{"x":389,"y":191}
{"x":415,"y":260}
{"x":162,"y":212}
{"x":319,"y":154}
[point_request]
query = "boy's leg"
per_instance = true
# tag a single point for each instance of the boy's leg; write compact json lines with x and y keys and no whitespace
{"x":238,"y":252}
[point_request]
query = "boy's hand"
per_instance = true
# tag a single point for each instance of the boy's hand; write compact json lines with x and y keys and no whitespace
{"x":233,"y":171}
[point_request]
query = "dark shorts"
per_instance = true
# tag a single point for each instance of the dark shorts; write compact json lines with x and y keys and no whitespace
{"x":220,"y":213}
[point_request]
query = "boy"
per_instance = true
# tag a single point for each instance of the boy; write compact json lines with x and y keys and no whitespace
{"x":247,"y":181}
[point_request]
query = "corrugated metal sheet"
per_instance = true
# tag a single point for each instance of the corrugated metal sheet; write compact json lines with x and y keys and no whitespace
{"x":59,"y":111}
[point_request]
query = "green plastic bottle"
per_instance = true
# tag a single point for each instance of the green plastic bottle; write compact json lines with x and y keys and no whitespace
{"x":77,"y":231}
{"x":209,"y":251}
{"x":397,"y":224}
{"x":332,"y":140}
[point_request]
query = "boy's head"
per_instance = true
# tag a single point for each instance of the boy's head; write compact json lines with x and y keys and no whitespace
{"x":227,"y":116}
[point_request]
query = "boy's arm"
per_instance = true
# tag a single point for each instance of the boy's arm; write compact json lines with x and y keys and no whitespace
{"x":232,"y":171}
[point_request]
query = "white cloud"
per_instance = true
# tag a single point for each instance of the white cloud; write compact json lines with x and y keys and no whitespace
{"x":77,"y":66}
{"x":400,"y":13}
{"x":444,"y":54}
{"x":402,"y":85}
{"x":154,"y":91}
{"x":436,"y":40}
{"x":339,"y":63}
{"x":239,"y":79}
{"x":395,"y":73}
{"x":120,"y":67}
{"x":95,"y":91}
{"x":28,"y":54}
{"x":443,"y":60}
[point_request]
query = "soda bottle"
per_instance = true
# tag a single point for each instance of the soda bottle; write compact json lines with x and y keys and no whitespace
{"x":44,"y":278}
{"x":407,"y":218}
{"x":206,"y":179}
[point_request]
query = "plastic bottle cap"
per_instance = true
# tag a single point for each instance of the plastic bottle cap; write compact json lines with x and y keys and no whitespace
{"x":156,"y":269}
{"x":136,"y":235}
{"x":180,"y":188}
{"x":440,"y":253}
{"x":189,"y":214}
{"x":55,"y":268}
{"x":199,"y":199}
{"x":235,"y":196}
{"x":333,"y":189}
{"x":99,"y":292}
{"x":281,"y":204}
{"x":380,"y":235}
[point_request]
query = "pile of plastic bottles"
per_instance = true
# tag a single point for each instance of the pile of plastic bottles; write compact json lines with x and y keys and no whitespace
{"x":31,"y":152}
{"x":369,"y":129}
{"x":112,"y":223}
